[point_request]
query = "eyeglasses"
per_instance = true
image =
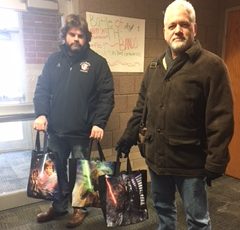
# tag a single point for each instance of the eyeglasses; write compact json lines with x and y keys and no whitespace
{"x":79,"y":36}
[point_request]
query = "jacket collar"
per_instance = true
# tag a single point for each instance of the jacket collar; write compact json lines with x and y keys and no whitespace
{"x":193,"y":52}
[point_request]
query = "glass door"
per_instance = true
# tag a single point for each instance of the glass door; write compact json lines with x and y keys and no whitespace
{"x":16,"y":113}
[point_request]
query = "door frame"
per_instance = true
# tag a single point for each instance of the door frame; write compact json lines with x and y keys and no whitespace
{"x":227,"y":11}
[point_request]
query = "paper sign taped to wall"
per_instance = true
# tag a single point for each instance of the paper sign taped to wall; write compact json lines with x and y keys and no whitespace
{"x":118,"y":39}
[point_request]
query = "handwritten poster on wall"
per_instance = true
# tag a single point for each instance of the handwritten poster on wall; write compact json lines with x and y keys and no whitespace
{"x":119,"y":39}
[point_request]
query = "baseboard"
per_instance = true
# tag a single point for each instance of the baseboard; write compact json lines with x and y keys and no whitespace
{"x":15,"y":199}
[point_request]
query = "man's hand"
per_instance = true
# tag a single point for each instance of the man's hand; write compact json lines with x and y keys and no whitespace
{"x":40,"y":123}
{"x":123,"y":146}
{"x":211,"y":176}
{"x":96,"y":133}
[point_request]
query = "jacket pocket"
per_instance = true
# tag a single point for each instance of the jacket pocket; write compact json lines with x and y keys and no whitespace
{"x":185,"y":153}
{"x":175,"y":141}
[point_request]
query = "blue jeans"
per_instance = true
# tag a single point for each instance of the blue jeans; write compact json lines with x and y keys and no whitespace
{"x":194,"y":197}
{"x":63,"y":146}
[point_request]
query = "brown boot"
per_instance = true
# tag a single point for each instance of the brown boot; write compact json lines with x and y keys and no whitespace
{"x":49,"y":215}
{"x":76,"y":218}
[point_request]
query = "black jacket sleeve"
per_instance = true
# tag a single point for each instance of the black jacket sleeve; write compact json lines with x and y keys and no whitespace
{"x":42,"y":94}
{"x":105,"y":93}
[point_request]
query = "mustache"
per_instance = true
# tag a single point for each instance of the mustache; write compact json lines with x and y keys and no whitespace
{"x":182,"y":38}
{"x":76,"y":44}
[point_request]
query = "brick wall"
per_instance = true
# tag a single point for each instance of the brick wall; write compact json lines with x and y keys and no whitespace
{"x":40,"y":34}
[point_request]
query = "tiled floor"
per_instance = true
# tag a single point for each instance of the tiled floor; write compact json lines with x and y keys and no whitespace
{"x":224,"y":202}
{"x":224,"y":206}
{"x":14,"y":171}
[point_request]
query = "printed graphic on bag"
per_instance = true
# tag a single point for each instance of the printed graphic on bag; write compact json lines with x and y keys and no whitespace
{"x":125,"y":201}
{"x":43,"y":182}
{"x":85,"y":192}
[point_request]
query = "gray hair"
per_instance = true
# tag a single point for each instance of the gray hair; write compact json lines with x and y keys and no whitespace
{"x":184,"y":4}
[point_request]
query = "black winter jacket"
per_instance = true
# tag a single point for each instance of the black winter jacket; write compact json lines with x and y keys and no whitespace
{"x":189,"y":115}
{"x":75,"y":92}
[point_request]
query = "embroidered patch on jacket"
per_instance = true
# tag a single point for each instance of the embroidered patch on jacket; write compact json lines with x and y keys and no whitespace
{"x":84,"y":66}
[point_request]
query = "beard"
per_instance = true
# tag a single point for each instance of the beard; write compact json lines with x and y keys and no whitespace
{"x":75,"y":47}
{"x":180,"y":46}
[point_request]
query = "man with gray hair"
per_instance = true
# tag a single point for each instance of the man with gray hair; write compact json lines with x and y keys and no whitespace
{"x":73,"y":100}
{"x":189,"y":121}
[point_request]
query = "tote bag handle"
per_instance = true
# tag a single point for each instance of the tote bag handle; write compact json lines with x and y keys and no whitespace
{"x":38,"y":144}
{"x":100,"y":152}
{"x":129,"y":166}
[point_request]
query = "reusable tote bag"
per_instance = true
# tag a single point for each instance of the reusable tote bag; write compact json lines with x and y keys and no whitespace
{"x":85,"y":192}
{"x":123,"y":197}
{"x":43,"y":181}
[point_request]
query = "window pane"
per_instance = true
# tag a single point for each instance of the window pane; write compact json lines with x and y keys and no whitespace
{"x":11,"y":59}
{"x":8,"y":19}
{"x":16,"y":136}
{"x":11,"y":131}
